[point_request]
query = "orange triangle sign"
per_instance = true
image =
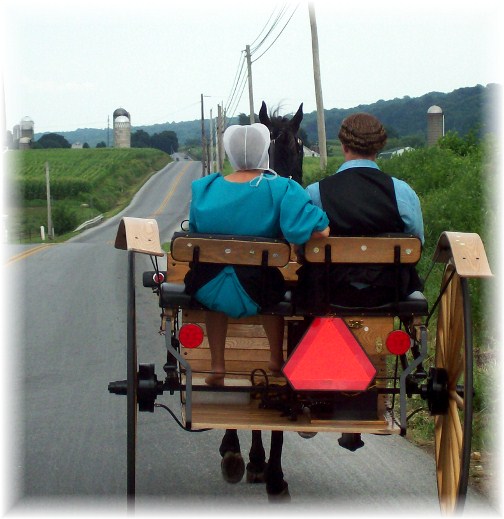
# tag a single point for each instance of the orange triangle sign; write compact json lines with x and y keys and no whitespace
{"x":329,"y":357}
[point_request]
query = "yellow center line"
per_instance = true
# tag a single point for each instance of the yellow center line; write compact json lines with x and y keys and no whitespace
{"x":27,"y":253}
{"x":170,"y":193}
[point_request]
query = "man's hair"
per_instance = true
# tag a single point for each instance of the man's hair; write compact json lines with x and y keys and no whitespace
{"x":363,"y":133}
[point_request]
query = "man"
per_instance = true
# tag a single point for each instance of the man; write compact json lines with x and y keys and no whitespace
{"x":361,"y":200}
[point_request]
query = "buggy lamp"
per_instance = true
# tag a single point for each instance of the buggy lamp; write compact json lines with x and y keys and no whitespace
{"x":398,"y":342}
{"x":158,"y":278}
{"x":191,"y":335}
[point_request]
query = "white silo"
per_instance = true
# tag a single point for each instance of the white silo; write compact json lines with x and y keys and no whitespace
{"x":122,"y":128}
{"x":26,"y":133}
{"x":435,"y":125}
{"x":26,"y":127}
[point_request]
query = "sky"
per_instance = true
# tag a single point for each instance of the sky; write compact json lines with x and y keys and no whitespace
{"x":69,"y":65}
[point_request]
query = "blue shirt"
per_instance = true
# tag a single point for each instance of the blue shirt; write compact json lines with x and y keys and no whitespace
{"x":407,"y":200}
{"x":269,"y":206}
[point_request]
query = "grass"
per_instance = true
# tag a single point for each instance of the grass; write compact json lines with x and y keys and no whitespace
{"x":83,"y":182}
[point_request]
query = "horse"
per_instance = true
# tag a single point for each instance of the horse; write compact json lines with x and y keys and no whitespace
{"x":286,"y":148}
{"x":286,"y":159}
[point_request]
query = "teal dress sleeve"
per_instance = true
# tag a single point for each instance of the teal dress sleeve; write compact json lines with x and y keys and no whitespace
{"x":198,"y":191}
{"x":299,"y":217}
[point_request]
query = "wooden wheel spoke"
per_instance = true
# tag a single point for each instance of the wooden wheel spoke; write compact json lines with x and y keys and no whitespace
{"x":454,"y":356}
{"x":455,"y":429}
{"x":457,"y":399}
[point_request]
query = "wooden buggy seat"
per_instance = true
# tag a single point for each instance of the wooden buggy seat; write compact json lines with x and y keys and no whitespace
{"x":225,"y":249}
{"x":392,"y":250}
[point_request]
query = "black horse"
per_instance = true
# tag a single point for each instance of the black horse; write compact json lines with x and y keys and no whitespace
{"x":286,"y":148}
{"x":286,"y":158}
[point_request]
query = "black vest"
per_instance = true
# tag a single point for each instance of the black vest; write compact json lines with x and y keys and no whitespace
{"x":360,"y":202}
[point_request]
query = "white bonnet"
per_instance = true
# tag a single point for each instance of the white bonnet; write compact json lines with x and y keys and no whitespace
{"x":247,"y":146}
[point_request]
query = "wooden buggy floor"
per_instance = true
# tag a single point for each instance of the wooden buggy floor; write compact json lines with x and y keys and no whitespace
{"x":251,"y":417}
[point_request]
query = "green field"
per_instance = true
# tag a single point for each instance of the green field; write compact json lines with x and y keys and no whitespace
{"x":83,"y":184}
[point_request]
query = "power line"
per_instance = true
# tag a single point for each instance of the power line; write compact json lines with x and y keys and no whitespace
{"x":243,"y":85}
{"x":262,"y":30}
{"x":236,"y":81}
{"x":239,"y":82}
{"x":275,"y":23}
{"x":279,"y":34}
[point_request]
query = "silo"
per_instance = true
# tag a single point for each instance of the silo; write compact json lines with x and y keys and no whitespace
{"x":122,"y":128}
{"x":27,"y":128}
{"x":435,"y":125}
{"x":24,"y":133}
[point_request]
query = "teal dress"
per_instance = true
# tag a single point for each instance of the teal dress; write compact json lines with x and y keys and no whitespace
{"x":270,"y":206}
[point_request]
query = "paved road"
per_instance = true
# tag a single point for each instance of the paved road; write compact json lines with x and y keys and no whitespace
{"x":66,"y":312}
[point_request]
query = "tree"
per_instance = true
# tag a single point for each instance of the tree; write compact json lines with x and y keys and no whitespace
{"x":304,"y":137}
{"x":85,"y":145}
{"x":165,"y":141}
{"x":101,"y":144}
{"x":53,"y":140}
{"x":140,"y":139}
{"x":462,"y":146}
{"x":244,"y":119}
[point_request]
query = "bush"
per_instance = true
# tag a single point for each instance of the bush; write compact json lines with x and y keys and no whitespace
{"x":64,"y":218}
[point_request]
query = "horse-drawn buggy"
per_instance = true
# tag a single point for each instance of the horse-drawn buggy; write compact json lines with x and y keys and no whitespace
{"x":348,"y":370}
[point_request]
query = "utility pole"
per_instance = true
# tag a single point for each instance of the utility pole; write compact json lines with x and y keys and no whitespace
{"x":211,"y":151}
{"x":251,"y":95}
{"x":203,"y":140}
{"x":50,"y":230}
{"x":318,"y":89}
{"x":220,"y":131}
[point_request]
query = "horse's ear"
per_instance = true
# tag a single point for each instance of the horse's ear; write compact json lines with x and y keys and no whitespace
{"x":298,"y":117}
{"x":263,"y":115}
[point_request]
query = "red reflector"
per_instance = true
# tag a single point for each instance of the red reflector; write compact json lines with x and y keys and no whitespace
{"x":329,"y":357}
{"x":158,"y":278}
{"x":191,"y":335}
{"x":398,"y":342}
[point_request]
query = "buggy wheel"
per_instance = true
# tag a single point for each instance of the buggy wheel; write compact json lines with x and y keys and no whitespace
{"x":132,"y":381}
{"x":453,"y":428}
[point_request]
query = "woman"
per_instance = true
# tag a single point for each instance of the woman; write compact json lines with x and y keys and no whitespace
{"x":251,"y":201}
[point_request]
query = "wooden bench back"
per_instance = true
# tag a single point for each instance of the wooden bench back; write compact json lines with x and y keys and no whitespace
{"x":230,"y":250}
{"x":365,"y":250}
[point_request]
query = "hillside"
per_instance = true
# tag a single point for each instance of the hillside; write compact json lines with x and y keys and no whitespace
{"x":84,"y":183}
{"x":464,"y":109}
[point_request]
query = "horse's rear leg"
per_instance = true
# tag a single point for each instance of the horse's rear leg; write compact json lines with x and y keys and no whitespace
{"x":257,"y":457}
{"x":276,"y":486}
{"x":232,"y":464}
